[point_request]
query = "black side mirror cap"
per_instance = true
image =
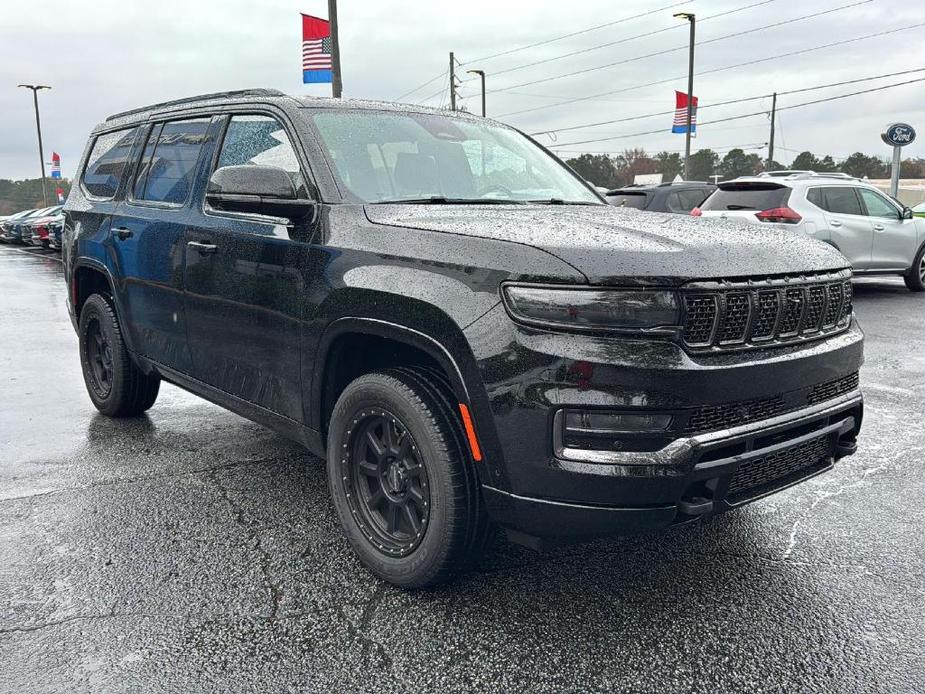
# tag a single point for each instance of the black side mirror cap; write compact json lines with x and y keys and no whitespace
{"x":265,"y":190}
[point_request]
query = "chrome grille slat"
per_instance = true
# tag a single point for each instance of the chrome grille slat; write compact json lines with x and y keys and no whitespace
{"x":734,"y":314}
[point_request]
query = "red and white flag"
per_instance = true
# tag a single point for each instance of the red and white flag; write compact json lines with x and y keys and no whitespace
{"x":680,"y":114}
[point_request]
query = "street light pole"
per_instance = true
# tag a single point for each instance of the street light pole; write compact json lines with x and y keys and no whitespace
{"x":38,"y":127}
{"x":481,"y":74}
{"x":690,"y":93}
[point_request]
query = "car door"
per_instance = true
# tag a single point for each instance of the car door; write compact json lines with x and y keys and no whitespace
{"x":244,"y":284}
{"x":895,"y":241}
{"x":148,"y":240}
{"x":850,"y":230}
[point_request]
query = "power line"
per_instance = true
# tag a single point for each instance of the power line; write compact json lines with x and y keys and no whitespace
{"x":679,"y":48}
{"x":577,"y":33}
{"x":419,"y":87}
{"x":627,"y":39}
{"x":777,"y":56}
{"x":750,"y":115}
{"x":726,"y":103}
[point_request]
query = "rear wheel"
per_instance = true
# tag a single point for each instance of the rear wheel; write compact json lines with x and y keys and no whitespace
{"x":404,"y":488}
{"x":915,"y":278}
{"x":117,"y":387}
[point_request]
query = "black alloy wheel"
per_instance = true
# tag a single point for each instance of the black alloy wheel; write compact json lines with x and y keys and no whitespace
{"x":99,"y":358}
{"x":115,"y":383}
{"x":404,"y":486}
{"x":387,"y":480}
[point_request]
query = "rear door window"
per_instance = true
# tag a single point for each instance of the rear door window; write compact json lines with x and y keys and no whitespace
{"x":635,"y":200}
{"x":747,"y":196}
{"x":841,"y":200}
{"x":107,"y":161}
{"x":168,"y":164}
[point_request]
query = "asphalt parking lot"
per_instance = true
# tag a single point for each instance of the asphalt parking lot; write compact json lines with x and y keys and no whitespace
{"x":192,"y":550}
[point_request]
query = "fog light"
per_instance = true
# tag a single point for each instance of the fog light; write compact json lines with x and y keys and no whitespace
{"x":589,"y":422}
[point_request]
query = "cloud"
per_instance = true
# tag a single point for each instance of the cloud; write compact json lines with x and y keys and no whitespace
{"x":105,"y":56}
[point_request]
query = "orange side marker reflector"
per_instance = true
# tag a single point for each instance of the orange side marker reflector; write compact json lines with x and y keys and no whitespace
{"x":470,"y":432}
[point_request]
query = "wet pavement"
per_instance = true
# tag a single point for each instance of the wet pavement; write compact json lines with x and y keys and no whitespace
{"x":192,"y":550}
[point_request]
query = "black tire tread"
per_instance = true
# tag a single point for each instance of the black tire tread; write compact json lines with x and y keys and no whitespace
{"x":466,"y":531}
{"x":139,"y":391}
{"x":911,"y":278}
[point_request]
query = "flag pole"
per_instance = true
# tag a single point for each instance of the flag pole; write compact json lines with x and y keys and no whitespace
{"x":336,"y":83}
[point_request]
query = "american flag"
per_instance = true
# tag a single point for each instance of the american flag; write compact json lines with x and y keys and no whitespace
{"x":316,"y":49}
{"x":680,"y":114}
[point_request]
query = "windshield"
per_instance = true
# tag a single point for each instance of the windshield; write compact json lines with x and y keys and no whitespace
{"x":414,"y":157}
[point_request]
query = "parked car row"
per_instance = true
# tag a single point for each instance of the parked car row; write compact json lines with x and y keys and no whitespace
{"x":39,"y":227}
{"x":876,"y":233}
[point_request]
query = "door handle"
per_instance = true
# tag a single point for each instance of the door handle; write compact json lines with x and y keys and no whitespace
{"x":203,"y":248}
{"x":878,"y":227}
{"x":835,"y":223}
{"x":124,"y":233}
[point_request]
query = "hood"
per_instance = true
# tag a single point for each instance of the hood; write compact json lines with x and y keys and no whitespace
{"x":611,"y":245}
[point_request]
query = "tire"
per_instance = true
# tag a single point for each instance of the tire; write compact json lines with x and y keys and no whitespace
{"x":425,"y":466}
{"x":915,"y":278}
{"x":117,"y":387}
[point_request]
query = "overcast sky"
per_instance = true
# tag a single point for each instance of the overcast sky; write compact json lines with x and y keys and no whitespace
{"x":103,"y":56}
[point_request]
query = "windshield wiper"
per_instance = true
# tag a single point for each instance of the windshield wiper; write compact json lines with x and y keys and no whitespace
{"x":443,"y":200}
{"x":740,"y":207}
{"x":560,"y":201}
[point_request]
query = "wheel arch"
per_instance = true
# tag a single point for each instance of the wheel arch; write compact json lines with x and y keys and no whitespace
{"x":450,"y":354}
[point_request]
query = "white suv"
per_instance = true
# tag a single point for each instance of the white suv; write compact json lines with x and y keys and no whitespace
{"x":876,"y":233}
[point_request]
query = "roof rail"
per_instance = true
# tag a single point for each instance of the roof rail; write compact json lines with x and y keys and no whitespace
{"x":201,"y":97}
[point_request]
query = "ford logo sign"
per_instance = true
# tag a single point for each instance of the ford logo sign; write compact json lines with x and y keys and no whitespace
{"x":898,"y":135}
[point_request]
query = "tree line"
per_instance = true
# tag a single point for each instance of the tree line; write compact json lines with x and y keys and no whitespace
{"x":16,"y":196}
{"x":614,"y":171}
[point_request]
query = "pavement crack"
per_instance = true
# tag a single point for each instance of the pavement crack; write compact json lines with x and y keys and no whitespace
{"x":825,"y":496}
{"x":264,"y":558}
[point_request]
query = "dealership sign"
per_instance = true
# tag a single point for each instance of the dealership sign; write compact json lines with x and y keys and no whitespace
{"x":898,"y":135}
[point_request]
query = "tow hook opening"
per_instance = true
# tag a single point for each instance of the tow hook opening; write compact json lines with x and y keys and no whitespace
{"x":698,"y":499}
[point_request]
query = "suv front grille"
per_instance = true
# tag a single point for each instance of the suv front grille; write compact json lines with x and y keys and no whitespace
{"x":727,"y":315}
{"x":832,"y":389}
{"x":763,"y":474}
{"x":732,"y":414}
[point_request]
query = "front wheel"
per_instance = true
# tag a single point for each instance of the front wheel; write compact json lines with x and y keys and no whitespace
{"x":117,"y":387}
{"x":403,"y":485}
{"x":915,"y":278}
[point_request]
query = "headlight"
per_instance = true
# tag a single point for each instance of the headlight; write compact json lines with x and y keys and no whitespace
{"x":592,"y":309}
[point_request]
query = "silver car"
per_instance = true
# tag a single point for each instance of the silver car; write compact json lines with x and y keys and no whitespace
{"x":876,"y":233}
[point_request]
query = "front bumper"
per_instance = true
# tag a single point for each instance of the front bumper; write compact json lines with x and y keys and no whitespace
{"x":699,"y":476}
{"x":533,"y":485}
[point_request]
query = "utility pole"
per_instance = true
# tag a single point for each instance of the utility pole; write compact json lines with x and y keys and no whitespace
{"x":38,"y":127}
{"x":771,"y":141}
{"x":481,"y":74}
{"x":337,"y":85}
{"x":452,"y":81}
{"x":690,"y":93}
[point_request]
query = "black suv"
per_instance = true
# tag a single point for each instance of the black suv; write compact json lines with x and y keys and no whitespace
{"x":455,"y":319}
{"x":678,"y":198}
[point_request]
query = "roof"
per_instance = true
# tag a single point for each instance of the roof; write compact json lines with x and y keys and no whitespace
{"x":271,"y":95}
{"x":644,"y":188}
{"x":797,"y":178}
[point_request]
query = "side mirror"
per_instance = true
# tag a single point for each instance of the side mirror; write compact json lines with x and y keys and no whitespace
{"x":266,"y":190}
{"x":907,"y":213}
